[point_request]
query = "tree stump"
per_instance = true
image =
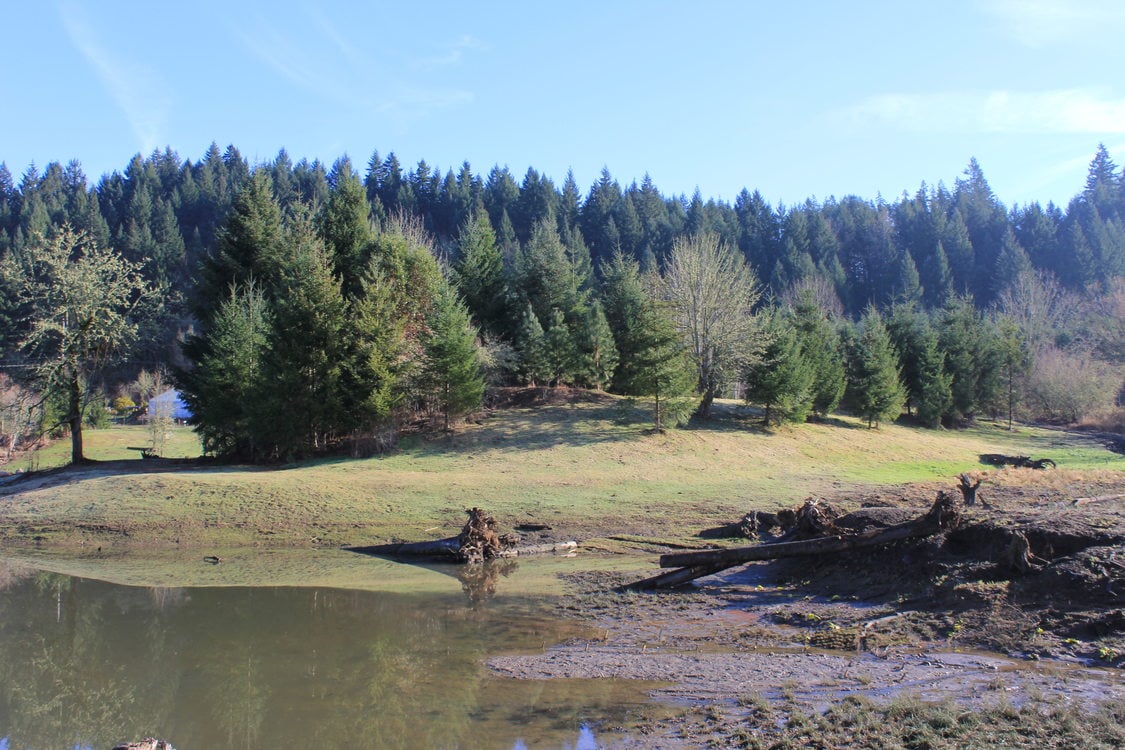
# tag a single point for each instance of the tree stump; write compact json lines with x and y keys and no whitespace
{"x":1018,"y":556}
{"x":969,"y":489}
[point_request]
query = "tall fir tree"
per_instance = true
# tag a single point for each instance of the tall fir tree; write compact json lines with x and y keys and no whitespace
{"x":478,"y":274}
{"x":876,"y":391}
{"x":531,"y":345}
{"x":250,"y":246}
{"x":652,"y":355}
{"x":344,"y":225}
{"x":224,"y":389}
{"x":596,"y":351}
{"x":452,"y":370}
{"x":823,"y":350}
{"x":782,"y":379}
{"x":305,"y":351}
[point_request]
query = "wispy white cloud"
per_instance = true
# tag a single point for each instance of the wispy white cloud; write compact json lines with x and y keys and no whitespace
{"x":1080,"y":110}
{"x":1039,"y":23}
{"x":414,"y":102}
{"x":454,"y":54}
{"x":328,"y":64}
{"x":134,"y":87}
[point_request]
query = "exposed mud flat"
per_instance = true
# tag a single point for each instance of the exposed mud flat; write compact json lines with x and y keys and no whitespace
{"x":817,"y":680}
{"x":945,"y":621}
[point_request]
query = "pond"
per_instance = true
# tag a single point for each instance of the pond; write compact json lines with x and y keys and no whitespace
{"x":85,"y":663}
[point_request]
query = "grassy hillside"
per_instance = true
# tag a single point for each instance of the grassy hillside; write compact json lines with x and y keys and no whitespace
{"x":583,"y":468}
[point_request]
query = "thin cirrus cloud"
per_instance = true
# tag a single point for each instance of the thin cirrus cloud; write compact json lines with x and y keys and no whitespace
{"x":454,"y":55}
{"x":135,"y":88}
{"x":333,"y":68}
{"x":1074,"y":111}
{"x":1040,"y":23}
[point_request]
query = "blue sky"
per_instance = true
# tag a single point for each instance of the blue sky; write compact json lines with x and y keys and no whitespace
{"x":798,"y":99}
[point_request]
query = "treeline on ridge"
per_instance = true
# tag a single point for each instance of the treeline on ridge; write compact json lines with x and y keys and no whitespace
{"x":307,"y":308}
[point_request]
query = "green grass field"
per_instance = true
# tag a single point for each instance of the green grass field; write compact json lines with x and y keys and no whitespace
{"x":581,"y":468}
{"x":111,"y":444}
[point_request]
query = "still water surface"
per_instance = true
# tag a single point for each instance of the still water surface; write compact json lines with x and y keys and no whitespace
{"x":87,"y":664}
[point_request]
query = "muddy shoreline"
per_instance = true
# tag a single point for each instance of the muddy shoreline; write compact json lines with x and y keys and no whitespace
{"x":940,"y":621}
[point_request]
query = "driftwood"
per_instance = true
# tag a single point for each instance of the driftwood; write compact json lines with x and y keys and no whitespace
{"x":944,"y":514}
{"x":1020,"y":462}
{"x":1097,"y":499}
{"x":813,"y":518}
{"x":477,"y":542}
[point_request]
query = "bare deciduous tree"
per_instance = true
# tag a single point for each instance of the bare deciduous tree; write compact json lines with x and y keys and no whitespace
{"x":712,"y":292}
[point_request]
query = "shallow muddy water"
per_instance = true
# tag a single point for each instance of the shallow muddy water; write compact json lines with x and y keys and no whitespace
{"x":87,"y":664}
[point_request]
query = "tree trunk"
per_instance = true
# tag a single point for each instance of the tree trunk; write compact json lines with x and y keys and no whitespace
{"x":74,"y":418}
{"x":703,"y":411}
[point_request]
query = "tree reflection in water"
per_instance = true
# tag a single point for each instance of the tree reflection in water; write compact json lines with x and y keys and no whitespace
{"x":85,"y":663}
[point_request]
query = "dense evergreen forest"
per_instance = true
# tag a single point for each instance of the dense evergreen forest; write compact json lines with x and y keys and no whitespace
{"x":302,"y":308}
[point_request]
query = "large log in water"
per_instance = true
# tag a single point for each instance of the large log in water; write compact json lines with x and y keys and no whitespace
{"x":943,"y":515}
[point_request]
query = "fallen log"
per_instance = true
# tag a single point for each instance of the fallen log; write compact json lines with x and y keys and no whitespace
{"x":674,"y":577}
{"x":436,"y":548}
{"x":944,"y":514}
{"x":1020,"y":462}
{"x":477,"y":542}
{"x":1097,"y":499}
{"x":539,"y":549}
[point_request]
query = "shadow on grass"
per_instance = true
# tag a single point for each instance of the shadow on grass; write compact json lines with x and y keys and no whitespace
{"x":726,"y":417}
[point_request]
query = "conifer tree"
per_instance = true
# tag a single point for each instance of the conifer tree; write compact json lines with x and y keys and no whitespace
{"x":822,"y":349}
{"x":478,"y":274}
{"x":560,"y":350}
{"x":652,"y":356}
{"x":452,"y":370}
{"x":970,"y":358}
{"x":934,"y":396}
{"x":662,"y":367}
{"x":782,"y":379}
{"x":344,"y":225}
{"x":224,"y":390}
{"x":532,"y":347}
{"x":374,"y":347}
{"x":876,"y":390}
{"x":597,"y":354}
{"x":922,"y":364}
{"x":302,"y":369}
{"x":545,"y":276}
{"x":249,"y":246}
